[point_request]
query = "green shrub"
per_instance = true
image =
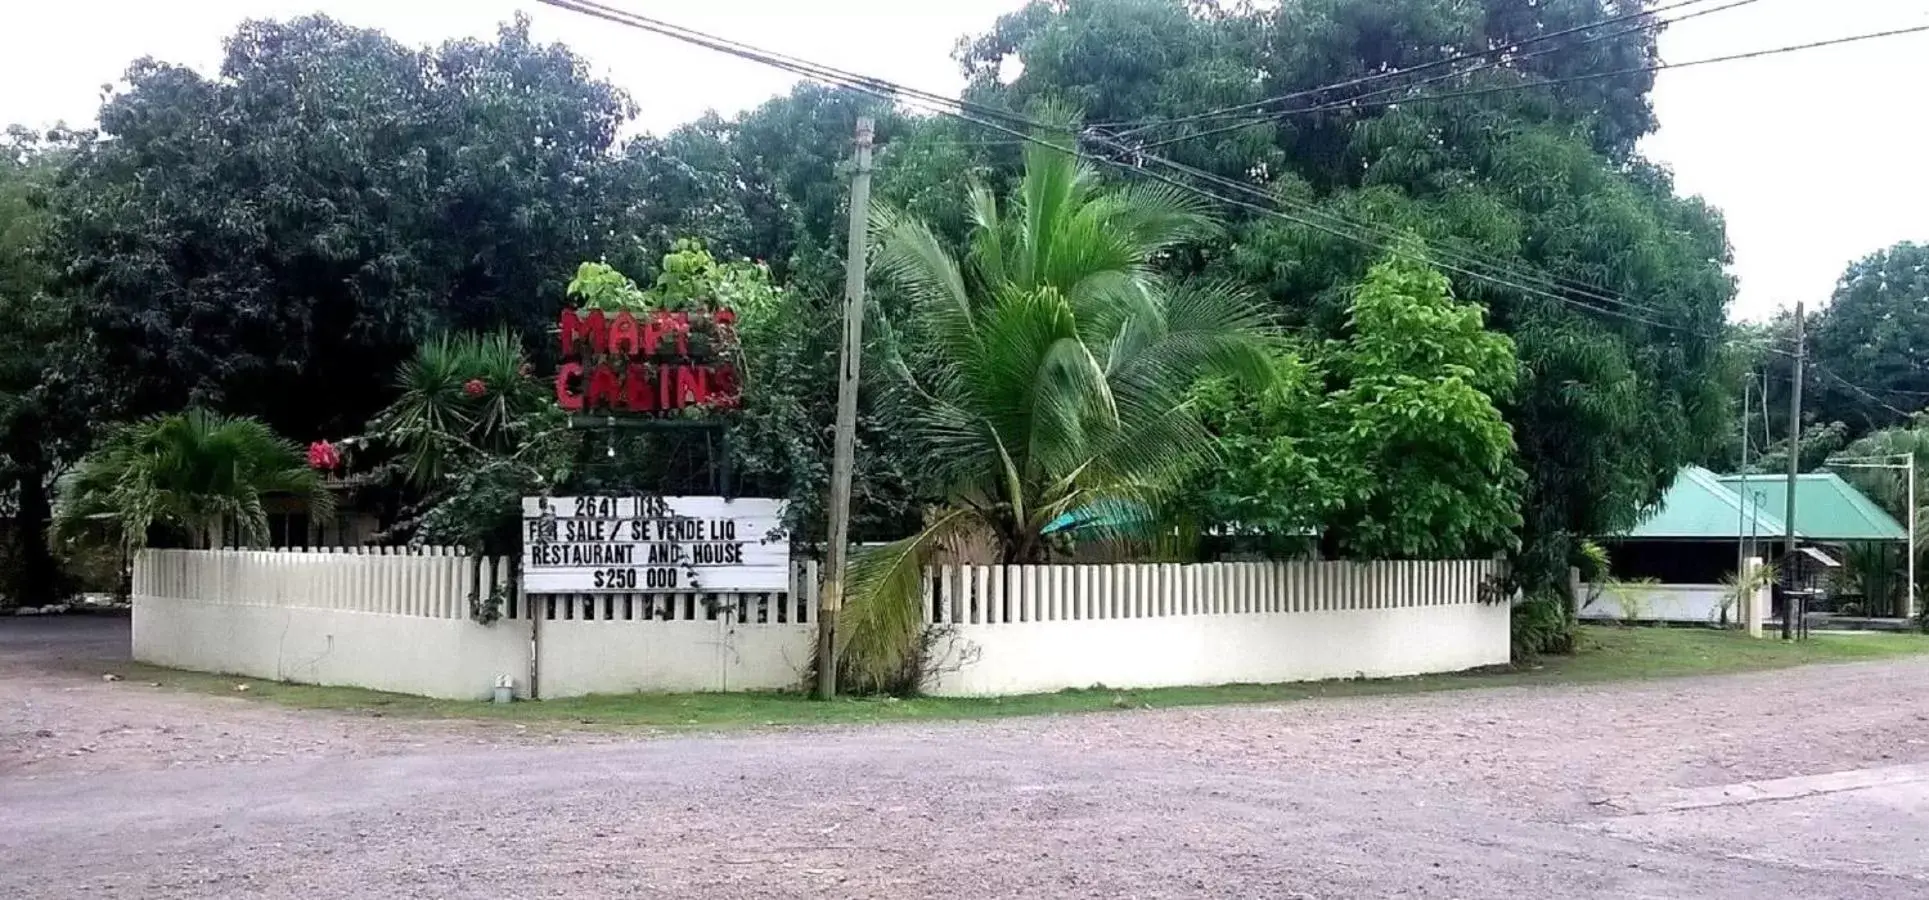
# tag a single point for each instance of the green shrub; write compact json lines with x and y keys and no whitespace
{"x":1540,"y":626}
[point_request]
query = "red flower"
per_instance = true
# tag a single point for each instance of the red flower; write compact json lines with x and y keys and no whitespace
{"x":323,"y":456}
{"x":475,"y":388}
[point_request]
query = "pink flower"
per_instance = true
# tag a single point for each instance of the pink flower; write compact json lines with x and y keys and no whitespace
{"x":475,"y":388}
{"x":323,"y":456}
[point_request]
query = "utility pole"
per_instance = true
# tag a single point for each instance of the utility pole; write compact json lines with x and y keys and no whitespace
{"x":831,"y":598}
{"x":1741,"y":520}
{"x":1909,"y":599}
{"x":1794,"y":469}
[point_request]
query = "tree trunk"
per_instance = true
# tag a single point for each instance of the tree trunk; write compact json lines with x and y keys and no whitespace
{"x":37,"y":578}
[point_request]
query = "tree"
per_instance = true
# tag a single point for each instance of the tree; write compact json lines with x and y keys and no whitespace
{"x":46,"y":393}
{"x":1043,"y":374}
{"x":1386,"y":442}
{"x":1533,"y":201}
{"x":1415,"y":414}
{"x":768,"y":189}
{"x":277,"y":239}
{"x":193,"y":476}
{"x":1275,"y":478}
{"x":1874,"y":333}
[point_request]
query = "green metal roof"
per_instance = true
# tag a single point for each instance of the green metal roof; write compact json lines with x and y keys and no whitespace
{"x":1826,"y":507}
{"x":1699,"y":507}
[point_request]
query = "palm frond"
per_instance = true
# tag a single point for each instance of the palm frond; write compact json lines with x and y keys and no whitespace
{"x":195,"y":472}
{"x":881,"y":621}
{"x":910,"y":255}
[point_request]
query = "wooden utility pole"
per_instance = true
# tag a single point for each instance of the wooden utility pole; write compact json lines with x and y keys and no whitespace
{"x":1741,"y":515}
{"x":831,"y":598}
{"x":1909,"y":599}
{"x":1794,"y":469}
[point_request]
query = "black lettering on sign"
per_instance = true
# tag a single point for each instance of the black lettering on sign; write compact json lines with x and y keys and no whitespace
{"x":679,"y":529}
{"x":716,"y":554}
{"x":584,"y":530}
{"x":596,"y":507}
{"x":616,"y":579}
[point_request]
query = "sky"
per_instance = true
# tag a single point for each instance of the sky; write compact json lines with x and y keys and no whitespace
{"x":1815,"y":158}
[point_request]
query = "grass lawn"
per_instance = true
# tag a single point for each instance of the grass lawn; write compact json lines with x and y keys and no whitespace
{"x":1608,"y":654}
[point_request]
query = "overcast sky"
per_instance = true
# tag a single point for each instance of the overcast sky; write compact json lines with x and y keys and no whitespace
{"x":1816,"y":158}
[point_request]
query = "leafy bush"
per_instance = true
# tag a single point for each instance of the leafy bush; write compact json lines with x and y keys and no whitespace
{"x":1540,"y":627}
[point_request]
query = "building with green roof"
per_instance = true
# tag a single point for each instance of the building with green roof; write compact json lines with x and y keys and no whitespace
{"x":1706,"y":522}
{"x":1827,"y":509}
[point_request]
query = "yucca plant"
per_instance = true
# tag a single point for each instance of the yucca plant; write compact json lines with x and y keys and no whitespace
{"x":197,"y":472}
{"x":1046,"y":371}
{"x":465,"y":391}
{"x":1737,"y":589}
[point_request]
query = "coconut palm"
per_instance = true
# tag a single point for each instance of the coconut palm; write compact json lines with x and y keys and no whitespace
{"x":195,"y":472}
{"x":1043,"y":373}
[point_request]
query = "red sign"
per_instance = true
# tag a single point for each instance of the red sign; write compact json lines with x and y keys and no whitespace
{"x":660,"y":363}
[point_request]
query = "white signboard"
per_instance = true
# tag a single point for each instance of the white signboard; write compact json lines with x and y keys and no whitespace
{"x":654,"y":545}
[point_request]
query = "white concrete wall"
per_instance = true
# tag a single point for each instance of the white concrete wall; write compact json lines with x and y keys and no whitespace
{"x":386,"y":621}
{"x":1033,"y":657}
{"x":448,"y":658}
{"x":1658,"y":603}
{"x":1027,"y":629}
{"x":627,"y":657}
{"x":399,"y":621}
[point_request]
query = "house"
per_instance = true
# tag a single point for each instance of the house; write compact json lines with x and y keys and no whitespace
{"x":1679,"y":562}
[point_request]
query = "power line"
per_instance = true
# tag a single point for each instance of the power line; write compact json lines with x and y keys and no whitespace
{"x":1502,"y":267}
{"x":875,"y":86}
{"x":1864,"y":392}
{"x":978,"y":115}
{"x":1352,"y":105}
{"x":1398,"y":73}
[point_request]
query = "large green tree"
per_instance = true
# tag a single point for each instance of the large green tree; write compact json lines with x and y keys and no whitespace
{"x":276,"y":238}
{"x":1874,"y":333}
{"x":771,"y":186}
{"x":1533,"y":201}
{"x":1414,"y":416}
{"x":47,"y":392}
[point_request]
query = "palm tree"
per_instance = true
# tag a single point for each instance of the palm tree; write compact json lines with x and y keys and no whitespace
{"x":194,"y":472}
{"x":1044,"y":373}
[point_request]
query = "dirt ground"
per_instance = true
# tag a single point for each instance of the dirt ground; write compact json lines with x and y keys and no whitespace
{"x":1700,"y":788}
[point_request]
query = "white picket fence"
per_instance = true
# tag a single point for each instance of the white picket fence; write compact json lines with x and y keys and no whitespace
{"x":1023,"y":629}
{"x":430,"y":582}
{"x":403,"y":621}
{"x":991,"y":595}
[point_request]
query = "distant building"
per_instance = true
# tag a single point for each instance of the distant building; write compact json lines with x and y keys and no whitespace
{"x":1687,"y":545}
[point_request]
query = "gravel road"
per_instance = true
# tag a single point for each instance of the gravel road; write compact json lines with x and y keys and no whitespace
{"x":123,"y":790}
